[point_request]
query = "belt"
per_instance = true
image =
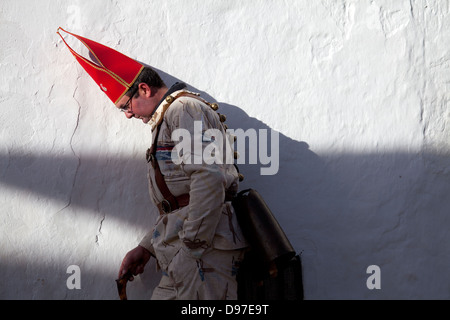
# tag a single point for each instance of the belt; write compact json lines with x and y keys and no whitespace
{"x":167,"y":206}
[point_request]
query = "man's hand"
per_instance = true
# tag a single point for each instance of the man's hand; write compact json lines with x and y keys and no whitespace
{"x":134,"y":261}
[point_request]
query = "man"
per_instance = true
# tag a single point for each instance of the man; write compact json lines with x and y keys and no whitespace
{"x":196,"y":239}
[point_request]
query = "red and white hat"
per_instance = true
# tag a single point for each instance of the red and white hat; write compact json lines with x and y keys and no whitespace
{"x":114,"y":74}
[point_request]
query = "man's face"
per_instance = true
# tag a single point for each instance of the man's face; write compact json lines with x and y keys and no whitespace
{"x":139,"y":106}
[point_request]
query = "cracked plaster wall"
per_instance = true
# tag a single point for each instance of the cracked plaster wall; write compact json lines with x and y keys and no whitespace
{"x":358,"y":91}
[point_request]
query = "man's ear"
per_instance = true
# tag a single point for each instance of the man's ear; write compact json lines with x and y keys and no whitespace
{"x":145,"y":90}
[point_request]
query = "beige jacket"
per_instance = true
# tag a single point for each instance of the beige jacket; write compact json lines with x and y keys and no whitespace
{"x":207,"y":221}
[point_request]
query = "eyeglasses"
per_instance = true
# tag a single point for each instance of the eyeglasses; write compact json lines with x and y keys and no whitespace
{"x":127,"y":106}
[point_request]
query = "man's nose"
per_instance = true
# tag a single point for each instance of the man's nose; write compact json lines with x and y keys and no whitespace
{"x":129,"y":114}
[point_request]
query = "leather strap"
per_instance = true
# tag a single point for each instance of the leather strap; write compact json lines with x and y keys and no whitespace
{"x":170,"y":202}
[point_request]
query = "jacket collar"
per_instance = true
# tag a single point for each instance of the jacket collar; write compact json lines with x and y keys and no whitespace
{"x":175,"y":87}
{"x":159,"y":111}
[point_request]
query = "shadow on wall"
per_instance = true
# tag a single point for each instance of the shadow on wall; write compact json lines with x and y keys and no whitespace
{"x":292,"y":191}
{"x":31,"y":281}
{"x":343,"y":213}
{"x":71,"y":184}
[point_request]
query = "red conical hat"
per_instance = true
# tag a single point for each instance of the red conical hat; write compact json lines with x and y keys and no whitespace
{"x":115,"y":72}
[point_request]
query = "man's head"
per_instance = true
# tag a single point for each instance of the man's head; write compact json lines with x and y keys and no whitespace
{"x":143,"y":96}
{"x":115,"y":73}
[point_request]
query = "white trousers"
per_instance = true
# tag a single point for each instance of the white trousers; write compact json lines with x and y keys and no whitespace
{"x":213,"y":277}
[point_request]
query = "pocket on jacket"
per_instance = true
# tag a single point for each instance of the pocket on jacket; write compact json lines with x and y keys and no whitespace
{"x":181,"y":265}
{"x":228,"y":235}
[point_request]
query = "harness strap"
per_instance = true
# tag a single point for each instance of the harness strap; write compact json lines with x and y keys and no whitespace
{"x":170,"y":202}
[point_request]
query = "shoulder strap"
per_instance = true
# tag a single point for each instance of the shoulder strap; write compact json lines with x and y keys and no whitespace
{"x":170,"y":202}
{"x":173,"y":202}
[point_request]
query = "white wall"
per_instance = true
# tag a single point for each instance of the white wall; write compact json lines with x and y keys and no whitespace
{"x":358,"y":91}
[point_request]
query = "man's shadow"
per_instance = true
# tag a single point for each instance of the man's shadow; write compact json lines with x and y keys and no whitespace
{"x":83,"y":183}
{"x":291,"y":192}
